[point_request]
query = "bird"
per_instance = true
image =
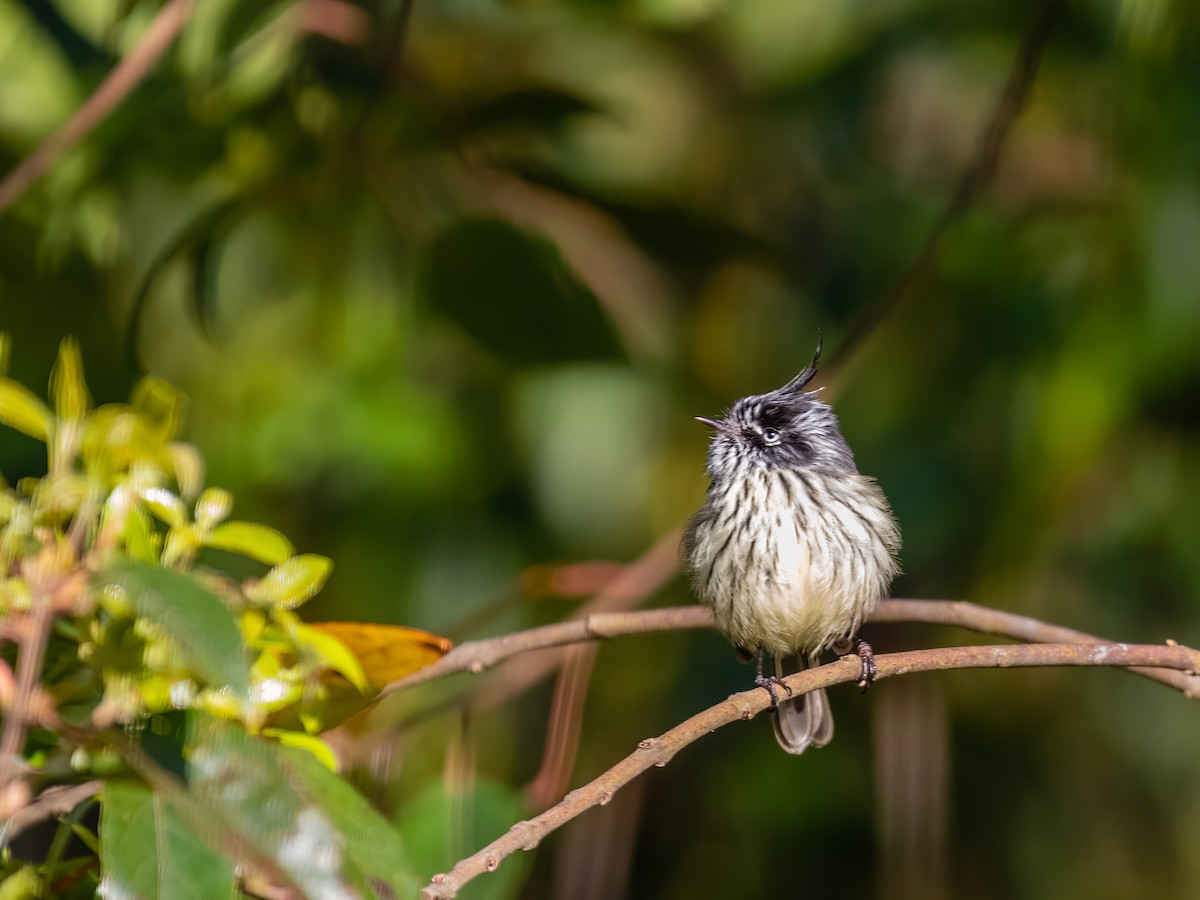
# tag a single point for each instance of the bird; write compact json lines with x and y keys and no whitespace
{"x":792,"y":547}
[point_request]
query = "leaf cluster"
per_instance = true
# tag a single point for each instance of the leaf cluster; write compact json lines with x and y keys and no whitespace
{"x":138,"y":655}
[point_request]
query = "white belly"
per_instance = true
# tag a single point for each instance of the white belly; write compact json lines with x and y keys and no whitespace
{"x":789,"y":571}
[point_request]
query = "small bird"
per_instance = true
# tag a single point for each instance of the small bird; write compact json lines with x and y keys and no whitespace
{"x":792,"y":547}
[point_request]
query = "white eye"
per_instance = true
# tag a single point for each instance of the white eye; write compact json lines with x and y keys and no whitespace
{"x":770,"y":435}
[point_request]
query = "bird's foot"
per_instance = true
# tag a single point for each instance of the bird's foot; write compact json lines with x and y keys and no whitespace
{"x":769,"y":683}
{"x":869,"y":669}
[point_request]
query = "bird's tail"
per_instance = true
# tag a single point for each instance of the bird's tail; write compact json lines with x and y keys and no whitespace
{"x":803,"y":721}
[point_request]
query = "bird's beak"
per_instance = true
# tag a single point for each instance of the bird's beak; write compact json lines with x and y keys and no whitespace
{"x":714,"y":424}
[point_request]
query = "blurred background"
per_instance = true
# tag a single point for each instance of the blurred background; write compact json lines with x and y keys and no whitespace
{"x":446,"y":282}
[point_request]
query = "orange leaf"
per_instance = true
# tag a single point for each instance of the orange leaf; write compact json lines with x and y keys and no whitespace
{"x":387,"y":652}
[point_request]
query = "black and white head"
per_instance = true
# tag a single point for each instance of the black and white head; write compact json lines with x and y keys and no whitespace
{"x":784,"y":428}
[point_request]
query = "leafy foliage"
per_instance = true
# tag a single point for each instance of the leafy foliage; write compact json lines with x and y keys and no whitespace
{"x":108,"y":544}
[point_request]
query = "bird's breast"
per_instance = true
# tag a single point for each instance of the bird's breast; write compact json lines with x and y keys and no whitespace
{"x":791,"y":561}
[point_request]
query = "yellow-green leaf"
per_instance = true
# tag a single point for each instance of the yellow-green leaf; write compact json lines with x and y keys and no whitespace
{"x":22,"y":410}
{"x":8,"y":505}
{"x":203,"y":629}
{"x":306,"y":742}
{"x":188,"y":466}
{"x":291,"y":583}
{"x":23,"y":884}
{"x":138,"y":536}
{"x":256,"y":541}
{"x":161,"y":403}
{"x":165,"y":505}
{"x":333,"y":653}
{"x":386,"y":653}
{"x":71,"y":400}
{"x":213,"y":506}
{"x":117,"y":436}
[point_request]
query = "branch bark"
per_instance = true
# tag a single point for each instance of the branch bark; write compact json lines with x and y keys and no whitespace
{"x":477,"y":656}
{"x":51,"y":803}
{"x":127,"y":74}
{"x":659,"y":751}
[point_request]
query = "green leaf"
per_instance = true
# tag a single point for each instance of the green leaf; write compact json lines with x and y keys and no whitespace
{"x":494,"y":281}
{"x":188,"y":466}
{"x":291,"y":583}
{"x":284,"y":801}
{"x":71,"y":400}
{"x":22,"y":410}
{"x":150,"y":852}
{"x":138,"y":536}
{"x":251,"y":539}
{"x":195,"y":619}
{"x":309,"y":743}
{"x":24,"y":884}
{"x":213,"y":507}
{"x":161,"y":403}
{"x":333,"y":653}
{"x":131,"y":523}
{"x":536,"y":107}
{"x":165,"y":505}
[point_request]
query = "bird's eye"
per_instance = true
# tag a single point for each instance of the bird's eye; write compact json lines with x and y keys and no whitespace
{"x":771,"y":435}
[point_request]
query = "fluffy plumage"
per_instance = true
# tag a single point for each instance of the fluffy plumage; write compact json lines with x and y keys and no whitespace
{"x":793,"y":547}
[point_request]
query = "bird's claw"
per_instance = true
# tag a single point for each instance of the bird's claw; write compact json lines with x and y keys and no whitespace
{"x":869,"y":669}
{"x":769,"y":683}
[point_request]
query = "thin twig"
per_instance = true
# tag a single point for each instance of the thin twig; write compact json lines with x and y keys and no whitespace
{"x":563,"y":727}
{"x":127,"y":74}
{"x":639,"y":581}
{"x":476,"y":656}
{"x":51,"y":803}
{"x":973,"y":180}
{"x":985,"y":620}
{"x":636,"y":582}
{"x":659,"y":751}
{"x":17,"y":717}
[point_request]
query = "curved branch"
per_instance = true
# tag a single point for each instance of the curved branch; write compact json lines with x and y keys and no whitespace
{"x":659,"y":751}
{"x":985,"y":620}
{"x":476,"y":656}
{"x":127,"y":74}
{"x":973,"y":180}
{"x":51,"y":803}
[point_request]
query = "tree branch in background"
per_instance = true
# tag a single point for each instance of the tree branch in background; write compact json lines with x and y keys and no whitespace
{"x":659,"y":751}
{"x":50,"y":804}
{"x":636,"y":582}
{"x":973,"y":180}
{"x":128,"y":73}
{"x":18,"y":711}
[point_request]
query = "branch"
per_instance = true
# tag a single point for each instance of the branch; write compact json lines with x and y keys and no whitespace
{"x":51,"y":803}
{"x":659,"y":751}
{"x":973,"y":180}
{"x":476,"y":656}
{"x":127,"y":74}
{"x":985,"y":620}
{"x":14,"y":791}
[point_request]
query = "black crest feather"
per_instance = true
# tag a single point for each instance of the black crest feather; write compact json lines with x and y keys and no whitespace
{"x":798,"y":383}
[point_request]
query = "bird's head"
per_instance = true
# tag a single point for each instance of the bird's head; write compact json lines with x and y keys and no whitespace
{"x":784,"y":428}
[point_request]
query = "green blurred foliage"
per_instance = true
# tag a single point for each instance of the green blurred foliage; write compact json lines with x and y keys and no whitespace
{"x":444,"y":293}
